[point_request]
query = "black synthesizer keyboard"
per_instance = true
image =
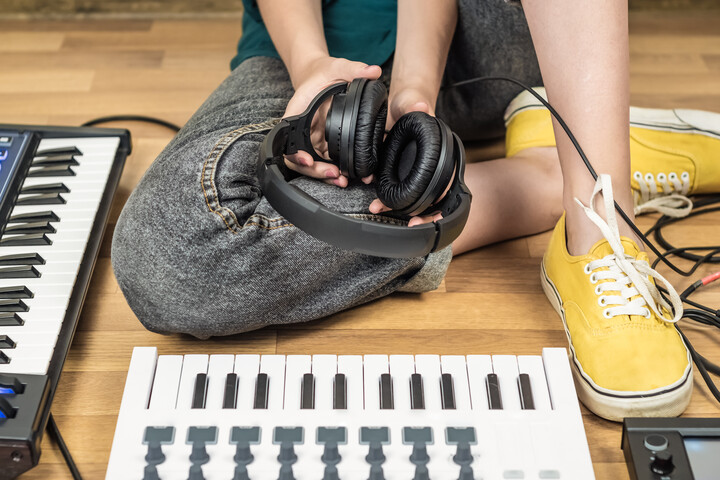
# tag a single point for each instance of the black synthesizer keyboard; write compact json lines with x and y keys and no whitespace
{"x":56,"y":189}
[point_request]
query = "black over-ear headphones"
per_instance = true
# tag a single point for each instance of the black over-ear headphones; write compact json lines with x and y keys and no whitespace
{"x":413,"y":167}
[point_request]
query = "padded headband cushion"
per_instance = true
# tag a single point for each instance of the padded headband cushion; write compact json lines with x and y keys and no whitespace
{"x":370,"y":127}
{"x":411,"y":153}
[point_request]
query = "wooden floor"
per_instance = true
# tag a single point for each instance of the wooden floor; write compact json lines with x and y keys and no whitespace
{"x":491,"y":301}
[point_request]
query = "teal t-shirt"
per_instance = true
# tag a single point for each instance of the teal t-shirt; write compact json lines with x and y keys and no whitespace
{"x":359,"y":30}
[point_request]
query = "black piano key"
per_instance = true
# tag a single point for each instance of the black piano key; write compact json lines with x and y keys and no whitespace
{"x":43,"y":216}
{"x":4,"y":359}
{"x":23,"y":240}
{"x":41,"y":199}
{"x":53,"y":171}
{"x":22,"y":259}
{"x":493,"y":390}
{"x":34,"y":227}
{"x":198,"y":400}
{"x":386,"y":392}
{"x":11,"y":319}
{"x":525,"y":389}
{"x":52,"y":152}
{"x":55,"y":160}
{"x":230,"y":395}
{"x":307,"y":392}
{"x":45,"y":188}
{"x":417,"y":396}
{"x":19,"y":291}
{"x":340,"y":392}
{"x":262,"y":387}
{"x":20,"y":271}
{"x":6,"y":342}
{"x":13,"y":305}
{"x":447,"y":392}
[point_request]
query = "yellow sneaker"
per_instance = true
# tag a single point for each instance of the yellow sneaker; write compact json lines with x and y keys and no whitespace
{"x":673,"y":153}
{"x":628,"y":360}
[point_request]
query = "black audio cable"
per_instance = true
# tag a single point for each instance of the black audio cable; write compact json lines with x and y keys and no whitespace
{"x":132,"y":118}
{"x":54,"y":434}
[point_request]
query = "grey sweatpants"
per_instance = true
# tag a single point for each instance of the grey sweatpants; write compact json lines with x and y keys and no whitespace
{"x":198,"y":250}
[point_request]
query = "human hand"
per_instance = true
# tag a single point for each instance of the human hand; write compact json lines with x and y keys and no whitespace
{"x":405,"y":100}
{"x":311,"y":80}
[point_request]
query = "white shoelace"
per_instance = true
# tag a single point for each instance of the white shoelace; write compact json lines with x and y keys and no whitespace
{"x":671,"y":201}
{"x":634,"y":291}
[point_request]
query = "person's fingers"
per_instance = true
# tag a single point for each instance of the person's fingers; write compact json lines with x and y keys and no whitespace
{"x":420,"y":220}
{"x":376,"y":206}
{"x":341,"y":181}
{"x":301,"y":159}
{"x":319,"y":170}
{"x":368,"y":180}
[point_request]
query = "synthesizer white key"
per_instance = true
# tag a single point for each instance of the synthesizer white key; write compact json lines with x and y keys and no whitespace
{"x":138,"y":385}
{"x":324,"y":368}
{"x":401,"y":367}
{"x":429,"y":367}
{"x":456,"y":366}
{"x":295,"y":367}
{"x":505,"y":366}
{"x":479,"y":366}
{"x":247,"y":368}
{"x":373,"y":367}
{"x":192,"y":366}
{"x":274,"y":367}
{"x":31,"y":365}
{"x":219,"y":366}
{"x":167,"y":380}
{"x":352,"y":367}
{"x":557,"y":371}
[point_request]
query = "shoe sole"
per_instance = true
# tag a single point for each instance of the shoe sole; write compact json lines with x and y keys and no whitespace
{"x":678,"y":120}
{"x":616,"y":406}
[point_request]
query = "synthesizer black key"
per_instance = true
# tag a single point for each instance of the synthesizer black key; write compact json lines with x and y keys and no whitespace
{"x":417,"y":396}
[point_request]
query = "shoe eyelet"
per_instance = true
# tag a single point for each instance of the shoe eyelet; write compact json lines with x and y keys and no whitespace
{"x":637,"y":176}
{"x":648,"y":313}
{"x":649,"y":177}
{"x":685,"y":176}
{"x":606,"y":313}
{"x":601,"y":301}
{"x":661,"y":177}
{"x":593,"y":279}
{"x":586,"y":269}
{"x":673,"y":176}
{"x":598,"y":291}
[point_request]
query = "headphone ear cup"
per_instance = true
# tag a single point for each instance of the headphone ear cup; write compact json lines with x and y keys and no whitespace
{"x":370,"y":128}
{"x":411,"y":156}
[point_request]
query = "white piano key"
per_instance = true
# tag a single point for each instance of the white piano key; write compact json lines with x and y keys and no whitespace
{"x":165,"y":385}
{"x":352,"y":367}
{"x":100,"y":146}
{"x":295,"y":367}
{"x":429,"y":367}
{"x":456,"y":366}
{"x":138,"y":385}
{"x":218,"y":368}
{"x":505,"y":366}
{"x":192,"y":365}
{"x":324,"y":367}
{"x":274,"y":367}
{"x":533,"y":366}
{"x":30,"y":365}
{"x":28,"y":339}
{"x":46,"y":303}
{"x":373,"y":367}
{"x":247,"y":368}
{"x":401,"y":367}
{"x":59,"y":279}
{"x":36,"y":324}
{"x":478,"y":368}
{"x":46,"y":291}
{"x":559,"y":379}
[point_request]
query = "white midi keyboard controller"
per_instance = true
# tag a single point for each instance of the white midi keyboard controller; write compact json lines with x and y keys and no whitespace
{"x":326,"y":417}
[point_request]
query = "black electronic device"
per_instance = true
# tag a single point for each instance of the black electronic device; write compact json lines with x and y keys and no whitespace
{"x":672,"y":448}
{"x":413,"y":166}
{"x":56,"y":189}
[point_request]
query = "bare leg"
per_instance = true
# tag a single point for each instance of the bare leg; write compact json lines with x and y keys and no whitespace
{"x":512,"y":197}
{"x":583,"y":52}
